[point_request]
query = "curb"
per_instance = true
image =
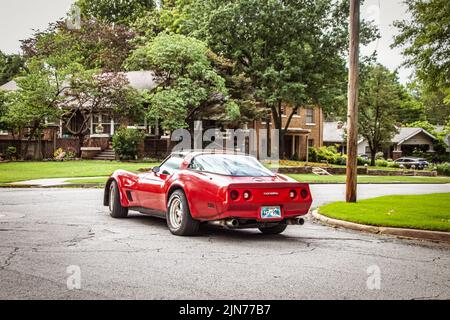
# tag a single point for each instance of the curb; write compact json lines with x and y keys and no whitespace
{"x":398,"y":232}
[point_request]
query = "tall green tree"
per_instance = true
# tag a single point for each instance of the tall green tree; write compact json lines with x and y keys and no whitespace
{"x":425,"y":39}
{"x":378,"y":101}
{"x":35,"y":102}
{"x":123,"y":12}
{"x":292,"y":51}
{"x":10,"y":66}
{"x":189,"y":87}
{"x":97,"y":45}
{"x":90,"y":92}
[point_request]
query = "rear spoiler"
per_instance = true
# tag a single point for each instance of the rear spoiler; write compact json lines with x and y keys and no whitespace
{"x":263,"y":185}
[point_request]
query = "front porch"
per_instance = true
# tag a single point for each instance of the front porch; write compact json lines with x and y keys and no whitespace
{"x":296,"y":144}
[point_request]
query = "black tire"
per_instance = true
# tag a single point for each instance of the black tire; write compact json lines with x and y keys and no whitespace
{"x":178,"y":215}
{"x":115,"y":207}
{"x":279,"y":228}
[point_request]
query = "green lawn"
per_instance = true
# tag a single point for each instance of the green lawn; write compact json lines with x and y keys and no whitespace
{"x":312,"y":178}
{"x":20,"y":171}
{"x":427,"y":212}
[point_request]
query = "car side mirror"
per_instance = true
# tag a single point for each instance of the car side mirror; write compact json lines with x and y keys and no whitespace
{"x":156,"y":169}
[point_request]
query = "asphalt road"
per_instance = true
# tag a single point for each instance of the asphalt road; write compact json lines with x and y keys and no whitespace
{"x":50,"y":236}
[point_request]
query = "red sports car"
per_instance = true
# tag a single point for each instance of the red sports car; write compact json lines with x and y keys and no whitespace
{"x":190,"y":188}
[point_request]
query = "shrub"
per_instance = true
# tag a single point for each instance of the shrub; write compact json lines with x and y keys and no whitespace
{"x":393,"y":165}
{"x":381,"y":163}
{"x":341,"y":160}
{"x":363,"y":161}
{"x":11,"y":152}
{"x":295,"y":157}
{"x":322,"y":154}
{"x":126,"y":143}
{"x":443,"y":169}
{"x":58,"y":152}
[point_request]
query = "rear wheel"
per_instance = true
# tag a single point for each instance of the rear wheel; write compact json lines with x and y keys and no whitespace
{"x":115,"y":207}
{"x":273,"y":230}
{"x":179,"y":219}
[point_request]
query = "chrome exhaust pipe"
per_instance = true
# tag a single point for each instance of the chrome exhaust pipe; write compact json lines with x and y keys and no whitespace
{"x":232,"y":223}
{"x":295,"y":221}
{"x":228,"y":223}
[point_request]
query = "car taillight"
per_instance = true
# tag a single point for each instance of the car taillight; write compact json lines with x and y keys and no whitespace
{"x":234,"y":195}
{"x":292,"y":194}
{"x":247,"y":195}
{"x":304,"y":193}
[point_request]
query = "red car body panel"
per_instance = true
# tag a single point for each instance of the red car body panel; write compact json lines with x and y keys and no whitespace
{"x":208,"y":194}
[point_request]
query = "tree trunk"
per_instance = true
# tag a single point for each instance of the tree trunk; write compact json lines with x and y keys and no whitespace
{"x":282,"y":144}
{"x":80,"y":144}
{"x":373,"y":154}
{"x":38,"y":154}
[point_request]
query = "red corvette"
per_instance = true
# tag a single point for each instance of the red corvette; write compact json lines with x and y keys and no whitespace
{"x":190,"y":188}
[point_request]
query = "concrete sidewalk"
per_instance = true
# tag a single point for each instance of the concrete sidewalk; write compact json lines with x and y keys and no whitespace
{"x":50,"y":182}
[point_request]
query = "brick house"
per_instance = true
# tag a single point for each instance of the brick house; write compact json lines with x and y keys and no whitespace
{"x":305,"y":130}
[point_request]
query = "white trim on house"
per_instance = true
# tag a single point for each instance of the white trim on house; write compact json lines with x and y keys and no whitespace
{"x":419,"y":130}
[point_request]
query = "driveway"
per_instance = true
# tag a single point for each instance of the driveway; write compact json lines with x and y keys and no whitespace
{"x":50,"y":236}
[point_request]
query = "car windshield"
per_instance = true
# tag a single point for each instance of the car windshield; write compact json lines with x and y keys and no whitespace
{"x":230,"y":165}
{"x":171,"y":165}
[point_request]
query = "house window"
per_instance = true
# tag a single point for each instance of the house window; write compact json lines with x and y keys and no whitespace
{"x":310,"y":143}
{"x":3,"y":133}
{"x":299,"y":111}
{"x":310,"y":115}
{"x":103,"y":124}
{"x":141,"y":125}
{"x":283,"y":110}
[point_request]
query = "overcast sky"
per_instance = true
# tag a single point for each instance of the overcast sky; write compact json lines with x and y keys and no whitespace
{"x":19,"y":17}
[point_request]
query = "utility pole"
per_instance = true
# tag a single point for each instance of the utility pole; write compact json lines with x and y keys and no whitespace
{"x":352,"y":111}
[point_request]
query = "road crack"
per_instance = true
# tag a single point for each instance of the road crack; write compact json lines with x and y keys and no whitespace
{"x":9,"y":257}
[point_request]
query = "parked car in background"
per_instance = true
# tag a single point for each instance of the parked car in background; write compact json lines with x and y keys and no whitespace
{"x":364,"y":157}
{"x":409,"y":162}
{"x":229,"y":190}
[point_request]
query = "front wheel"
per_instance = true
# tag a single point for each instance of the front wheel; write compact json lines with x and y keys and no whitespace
{"x":273,"y":230}
{"x":179,"y":219}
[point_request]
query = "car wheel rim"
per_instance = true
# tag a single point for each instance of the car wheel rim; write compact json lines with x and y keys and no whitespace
{"x":111,"y":199}
{"x":176,"y":213}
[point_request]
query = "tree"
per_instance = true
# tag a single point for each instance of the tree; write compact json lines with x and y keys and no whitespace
{"x":425,"y":38}
{"x":10,"y":66}
{"x":410,"y":106}
{"x":123,"y":12}
{"x":378,"y":100}
{"x":92,"y":92}
{"x":3,"y":109}
{"x":96,"y":45}
{"x":189,"y":87}
{"x":35,"y":102}
{"x":292,"y":51}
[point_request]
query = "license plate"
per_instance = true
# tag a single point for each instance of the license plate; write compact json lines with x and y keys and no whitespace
{"x":270,"y":212}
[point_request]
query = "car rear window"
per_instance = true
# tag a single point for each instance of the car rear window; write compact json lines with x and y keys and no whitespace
{"x":230,"y":165}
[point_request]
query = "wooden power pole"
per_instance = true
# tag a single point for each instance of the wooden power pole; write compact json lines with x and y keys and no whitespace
{"x":352,"y":112}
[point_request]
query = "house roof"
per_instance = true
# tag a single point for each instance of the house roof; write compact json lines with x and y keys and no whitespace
{"x":139,"y":80}
{"x":405,"y":133}
{"x":331,"y":132}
